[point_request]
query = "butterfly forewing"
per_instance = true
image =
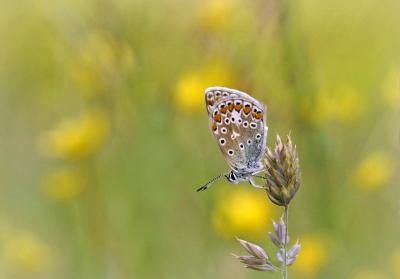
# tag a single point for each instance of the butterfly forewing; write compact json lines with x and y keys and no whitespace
{"x":237,"y":122}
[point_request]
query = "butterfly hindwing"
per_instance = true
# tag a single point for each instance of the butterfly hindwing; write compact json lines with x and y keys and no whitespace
{"x":237,"y":122}
{"x":214,"y":94}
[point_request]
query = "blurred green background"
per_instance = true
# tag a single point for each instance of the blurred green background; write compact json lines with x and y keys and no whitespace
{"x":104,"y":136}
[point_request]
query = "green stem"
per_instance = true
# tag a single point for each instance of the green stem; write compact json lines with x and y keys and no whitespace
{"x":285,"y":242}
{"x":274,"y":267}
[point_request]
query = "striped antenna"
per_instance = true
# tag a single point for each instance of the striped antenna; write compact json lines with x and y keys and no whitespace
{"x":211,"y":182}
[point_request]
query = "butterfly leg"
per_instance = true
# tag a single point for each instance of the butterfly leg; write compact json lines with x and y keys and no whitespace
{"x":260,"y":177}
{"x":255,"y":185}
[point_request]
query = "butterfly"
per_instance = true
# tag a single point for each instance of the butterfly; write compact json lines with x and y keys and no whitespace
{"x":238,"y":124}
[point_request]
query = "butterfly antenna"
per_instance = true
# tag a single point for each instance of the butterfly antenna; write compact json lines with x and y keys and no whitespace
{"x":211,"y":182}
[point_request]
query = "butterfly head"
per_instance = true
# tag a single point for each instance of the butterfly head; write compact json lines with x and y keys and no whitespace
{"x":232,"y":177}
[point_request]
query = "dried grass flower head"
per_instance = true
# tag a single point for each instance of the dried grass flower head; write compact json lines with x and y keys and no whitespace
{"x":282,"y":176}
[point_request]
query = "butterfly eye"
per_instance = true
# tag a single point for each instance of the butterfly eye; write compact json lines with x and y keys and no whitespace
{"x":245,"y":124}
{"x":241,"y":146}
{"x":249,"y":141}
{"x":223,"y":130}
{"x":230,"y":152}
{"x":222,"y":141}
{"x":253,"y":125}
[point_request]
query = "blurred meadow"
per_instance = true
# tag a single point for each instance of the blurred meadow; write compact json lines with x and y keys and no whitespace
{"x":104,"y":136}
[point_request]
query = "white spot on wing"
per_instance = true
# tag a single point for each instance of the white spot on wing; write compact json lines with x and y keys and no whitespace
{"x":234,"y":135}
{"x":235,"y":114}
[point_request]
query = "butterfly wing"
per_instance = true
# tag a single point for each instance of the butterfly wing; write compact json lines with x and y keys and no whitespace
{"x":238,"y":124}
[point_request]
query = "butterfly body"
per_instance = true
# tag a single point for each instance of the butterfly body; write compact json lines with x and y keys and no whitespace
{"x":238,"y":124}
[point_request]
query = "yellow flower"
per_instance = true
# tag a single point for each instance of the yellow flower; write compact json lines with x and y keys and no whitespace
{"x":374,"y":171}
{"x":390,"y":89}
{"x":313,"y":256}
{"x":64,"y":185}
{"x":349,"y":104}
{"x":345,"y":104}
{"x":76,"y":138}
{"x":323,"y":110}
{"x":243,"y":212}
{"x":27,"y":254}
{"x":191,"y":86}
{"x":215,"y":15}
{"x":367,"y":273}
{"x":395,"y":263}
{"x":189,"y":92}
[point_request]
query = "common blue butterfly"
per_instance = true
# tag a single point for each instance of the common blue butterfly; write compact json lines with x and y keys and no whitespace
{"x":238,"y":124}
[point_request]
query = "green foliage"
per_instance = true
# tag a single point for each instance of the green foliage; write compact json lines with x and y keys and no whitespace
{"x":104,"y":137}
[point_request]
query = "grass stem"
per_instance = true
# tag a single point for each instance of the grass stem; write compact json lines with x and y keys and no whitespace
{"x":285,"y":242}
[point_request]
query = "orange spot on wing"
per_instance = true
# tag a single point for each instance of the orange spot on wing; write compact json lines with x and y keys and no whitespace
{"x":238,"y":107}
{"x":259,"y":115}
{"x":230,"y":107}
{"x":223,"y":110}
{"x":214,"y":127}
{"x":216,"y":99}
{"x":217,"y":118}
{"x":254,"y":115}
{"x":247,"y":110}
{"x":211,"y":102}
